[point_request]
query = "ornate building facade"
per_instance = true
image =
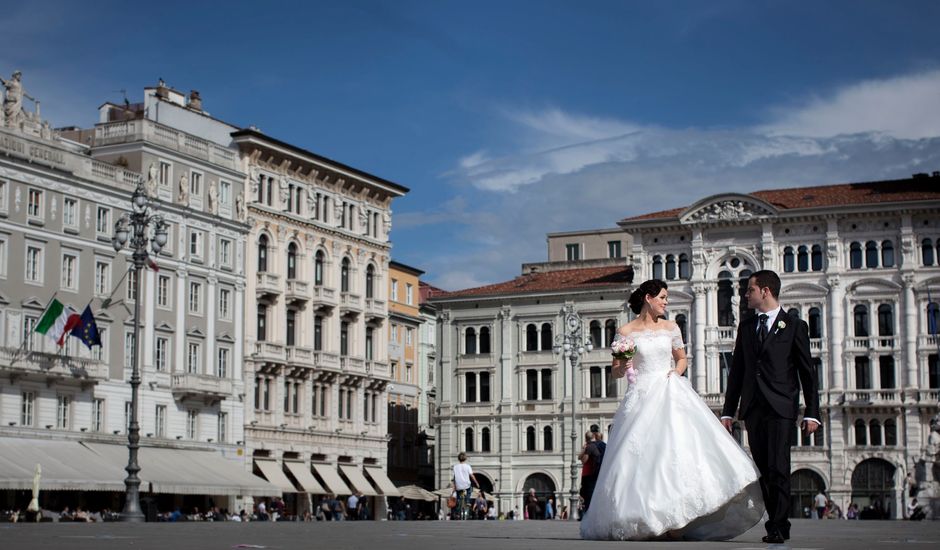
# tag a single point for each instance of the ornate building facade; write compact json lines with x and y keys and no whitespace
{"x":859,"y":263}
{"x":60,"y":194}
{"x":317,"y":360}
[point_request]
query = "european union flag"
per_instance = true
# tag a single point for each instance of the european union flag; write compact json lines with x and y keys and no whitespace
{"x":87,"y":330}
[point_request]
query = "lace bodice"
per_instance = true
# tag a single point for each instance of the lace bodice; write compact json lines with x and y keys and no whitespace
{"x":654,"y":349}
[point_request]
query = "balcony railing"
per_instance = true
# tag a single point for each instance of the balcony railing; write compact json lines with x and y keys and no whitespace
{"x":816,"y":345}
{"x":183,"y":384}
{"x":299,"y":355}
{"x":268,"y":283}
{"x":873,"y":397}
{"x":928,"y":341}
{"x":147,"y":130}
{"x":475,"y":360}
{"x":376,"y":307}
{"x":297,"y":291}
{"x":354,"y":364}
{"x":723,"y":335}
{"x":350,"y":302}
{"x":325,"y":359}
{"x":536,"y":358}
{"x":324,"y":296}
{"x":47,"y":365}
{"x":872,"y":342}
{"x":270,"y":351}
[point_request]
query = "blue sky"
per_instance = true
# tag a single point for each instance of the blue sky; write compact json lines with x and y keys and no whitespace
{"x":512,"y":119}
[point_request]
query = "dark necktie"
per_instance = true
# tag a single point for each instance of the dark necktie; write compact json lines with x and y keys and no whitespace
{"x":762,"y":328}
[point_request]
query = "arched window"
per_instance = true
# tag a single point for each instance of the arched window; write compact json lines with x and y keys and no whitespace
{"x":468,"y":440}
{"x":855,"y":256}
{"x":657,"y":267}
{"x":318,"y":268}
{"x":926,"y":252}
{"x":262,"y":253}
{"x":802,"y":259}
{"x":530,"y":438}
{"x":292,"y":261}
{"x":547,"y":438}
{"x":531,"y":337}
{"x":685,"y":271}
{"x":484,"y":339}
{"x":670,"y":267}
{"x":470,"y":341}
{"x":885,"y":320}
{"x":683,"y":327}
{"x":610,"y":328}
{"x":788,"y":264}
{"x":860,"y":314}
{"x":344,"y":276}
{"x":793,"y":312}
{"x":815,"y":323}
{"x":546,"y":336}
{"x":816,"y":257}
{"x":861,"y":433}
{"x":871,"y":254}
{"x":596,"y":333}
{"x":485,"y":440}
{"x":874,"y":433}
{"x":370,"y":282}
{"x":887,"y":254}
{"x":891,"y":433}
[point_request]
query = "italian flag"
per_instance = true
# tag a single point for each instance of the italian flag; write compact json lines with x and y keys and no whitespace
{"x":58,"y":321}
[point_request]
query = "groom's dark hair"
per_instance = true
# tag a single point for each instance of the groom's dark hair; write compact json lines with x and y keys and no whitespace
{"x":769,"y":279}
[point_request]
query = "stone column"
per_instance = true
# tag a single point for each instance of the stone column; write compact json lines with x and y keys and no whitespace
{"x":149,"y":296}
{"x":836,"y":332}
{"x":180,"y":342}
{"x":698,"y":354}
{"x":211,"y":289}
{"x":237,"y":357}
{"x":910,"y":333}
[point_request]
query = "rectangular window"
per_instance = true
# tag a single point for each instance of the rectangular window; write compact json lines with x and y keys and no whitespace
{"x":573,"y":252}
{"x":318,"y":333}
{"x":195,"y":244}
{"x":63,"y":412}
{"x":597,"y":382}
{"x":613,"y":249}
{"x":27,"y":408}
{"x":192,"y":419}
{"x":163,"y":290}
{"x":192,"y":358}
{"x":70,"y":213}
{"x":195,"y":297}
{"x":29,"y":334}
{"x":862,"y":374}
{"x":127,"y":416}
{"x":933,"y":371}
{"x":394,"y":290}
{"x":532,"y":385}
{"x":102,"y":278}
{"x":100,"y":353}
{"x":546,"y":384}
{"x":4,"y":186}
{"x":128,"y":349}
{"x":314,"y":391}
{"x":160,"y":353}
{"x":97,"y":415}
{"x":222,"y":366}
{"x":34,"y":264}
{"x":225,"y":196}
{"x":223,"y":427}
{"x":132,"y":285}
{"x":103,"y":221}
{"x":165,"y":174}
{"x":344,"y":338}
{"x":225,"y":300}
{"x":225,"y":252}
{"x":34,"y":204}
{"x":485,"y":387}
{"x":3,"y":257}
{"x":69,"y":271}
{"x":409,"y":335}
{"x":409,"y":294}
{"x":195,"y":185}
{"x":159,"y":419}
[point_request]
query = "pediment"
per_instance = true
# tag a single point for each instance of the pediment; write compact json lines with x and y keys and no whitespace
{"x":874,"y":286}
{"x":33,"y":302}
{"x":932,"y":286}
{"x":196,"y":331}
{"x":226,"y":337}
{"x":803,"y":290}
{"x":727,"y":207}
{"x":164,"y":327}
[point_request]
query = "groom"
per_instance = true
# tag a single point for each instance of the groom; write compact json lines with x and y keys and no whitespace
{"x":771,"y":362}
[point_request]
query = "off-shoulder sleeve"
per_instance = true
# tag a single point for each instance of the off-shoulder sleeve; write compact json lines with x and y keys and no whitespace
{"x":677,"y":338}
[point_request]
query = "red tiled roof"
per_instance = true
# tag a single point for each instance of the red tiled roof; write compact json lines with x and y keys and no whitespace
{"x":910,"y":189}
{"x":567,"y":279}
{"x":427,"y":291}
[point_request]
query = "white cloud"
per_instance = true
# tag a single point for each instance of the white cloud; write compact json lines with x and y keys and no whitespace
{"x":904,"y":107}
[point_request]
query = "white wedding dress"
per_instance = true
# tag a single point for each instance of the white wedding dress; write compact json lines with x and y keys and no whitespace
{"x":671,"y":470}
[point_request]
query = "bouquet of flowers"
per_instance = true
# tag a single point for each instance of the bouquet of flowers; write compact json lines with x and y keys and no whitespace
{"x":624,"y":348}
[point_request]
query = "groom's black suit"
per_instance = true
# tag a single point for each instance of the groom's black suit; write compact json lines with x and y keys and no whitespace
{"x":766,"y":378}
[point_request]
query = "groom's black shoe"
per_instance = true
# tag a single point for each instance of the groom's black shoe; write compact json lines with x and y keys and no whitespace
{"x":773,"y":538}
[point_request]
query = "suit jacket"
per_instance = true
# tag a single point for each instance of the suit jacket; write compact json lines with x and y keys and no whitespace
{"x":777,"y":369}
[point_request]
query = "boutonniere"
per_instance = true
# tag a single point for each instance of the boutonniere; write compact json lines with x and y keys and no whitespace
{"x":781,"y":325}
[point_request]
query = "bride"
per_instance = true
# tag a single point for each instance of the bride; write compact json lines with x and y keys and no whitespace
{"x":671,"y":470}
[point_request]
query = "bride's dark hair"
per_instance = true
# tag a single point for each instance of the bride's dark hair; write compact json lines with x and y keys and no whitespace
{"x":649,"y":288}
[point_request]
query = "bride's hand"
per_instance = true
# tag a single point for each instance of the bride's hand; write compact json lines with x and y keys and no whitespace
{"x":671,"y":372}
{"x":620,"y":367}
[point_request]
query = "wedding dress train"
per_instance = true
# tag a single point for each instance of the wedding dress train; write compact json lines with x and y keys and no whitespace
{"x":671,"y":470}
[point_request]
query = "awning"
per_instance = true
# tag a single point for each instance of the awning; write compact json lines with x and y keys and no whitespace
{"x":359,"y":481}
{"x":272,"y":472}
{"x":303,"y":476}
{"x":332,"y":480}
{"x":66,"y":466}
{"x":385,"y":484}
{"x":187,"y":472}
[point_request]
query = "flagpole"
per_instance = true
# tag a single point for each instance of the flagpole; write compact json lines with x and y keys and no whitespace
{"x":26,"y":335}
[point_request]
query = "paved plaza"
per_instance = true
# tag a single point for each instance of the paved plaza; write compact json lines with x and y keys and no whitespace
{"x":475,"y":535}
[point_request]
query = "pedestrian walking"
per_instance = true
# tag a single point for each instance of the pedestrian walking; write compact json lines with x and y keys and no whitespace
{"x":463,"y":480}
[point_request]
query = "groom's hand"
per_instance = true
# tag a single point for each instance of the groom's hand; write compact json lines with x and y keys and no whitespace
{"x":726,"y":422}
{"x":810,"y":426}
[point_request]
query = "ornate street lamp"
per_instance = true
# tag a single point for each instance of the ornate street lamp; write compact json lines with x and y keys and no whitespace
{"x":573,"y":345}
{"x":132,"y":229}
